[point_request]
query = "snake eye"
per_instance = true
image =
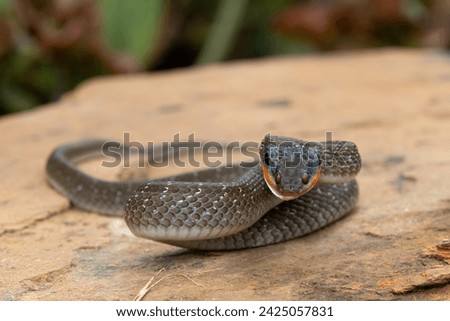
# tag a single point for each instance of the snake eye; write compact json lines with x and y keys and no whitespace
{"x":266,"y":159}
{"x":305,"y":178}
{"x":277,"y":178}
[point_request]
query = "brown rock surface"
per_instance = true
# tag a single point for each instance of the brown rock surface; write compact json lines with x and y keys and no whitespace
{"x":394,"y":104}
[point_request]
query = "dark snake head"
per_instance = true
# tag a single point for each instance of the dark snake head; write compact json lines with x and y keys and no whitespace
{"x":291,"y":167}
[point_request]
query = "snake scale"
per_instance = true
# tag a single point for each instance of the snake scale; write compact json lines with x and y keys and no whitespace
{"x":296,"y":188}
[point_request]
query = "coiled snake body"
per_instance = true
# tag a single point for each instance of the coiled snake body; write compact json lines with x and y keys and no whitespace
{"x":296,"y":188}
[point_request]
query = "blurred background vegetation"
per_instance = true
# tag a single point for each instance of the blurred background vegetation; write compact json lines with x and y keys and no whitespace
{"x":47,"y":47}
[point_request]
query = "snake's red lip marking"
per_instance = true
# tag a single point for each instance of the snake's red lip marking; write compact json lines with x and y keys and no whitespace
{"x":288,"y":195}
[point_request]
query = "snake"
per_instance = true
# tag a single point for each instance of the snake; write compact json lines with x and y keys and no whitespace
{"x":295,"y":187}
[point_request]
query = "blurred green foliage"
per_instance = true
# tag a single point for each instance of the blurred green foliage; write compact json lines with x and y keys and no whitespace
{"x":222,"y":31}
{"x":47,"y":47}
{"x":132,"y":26}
